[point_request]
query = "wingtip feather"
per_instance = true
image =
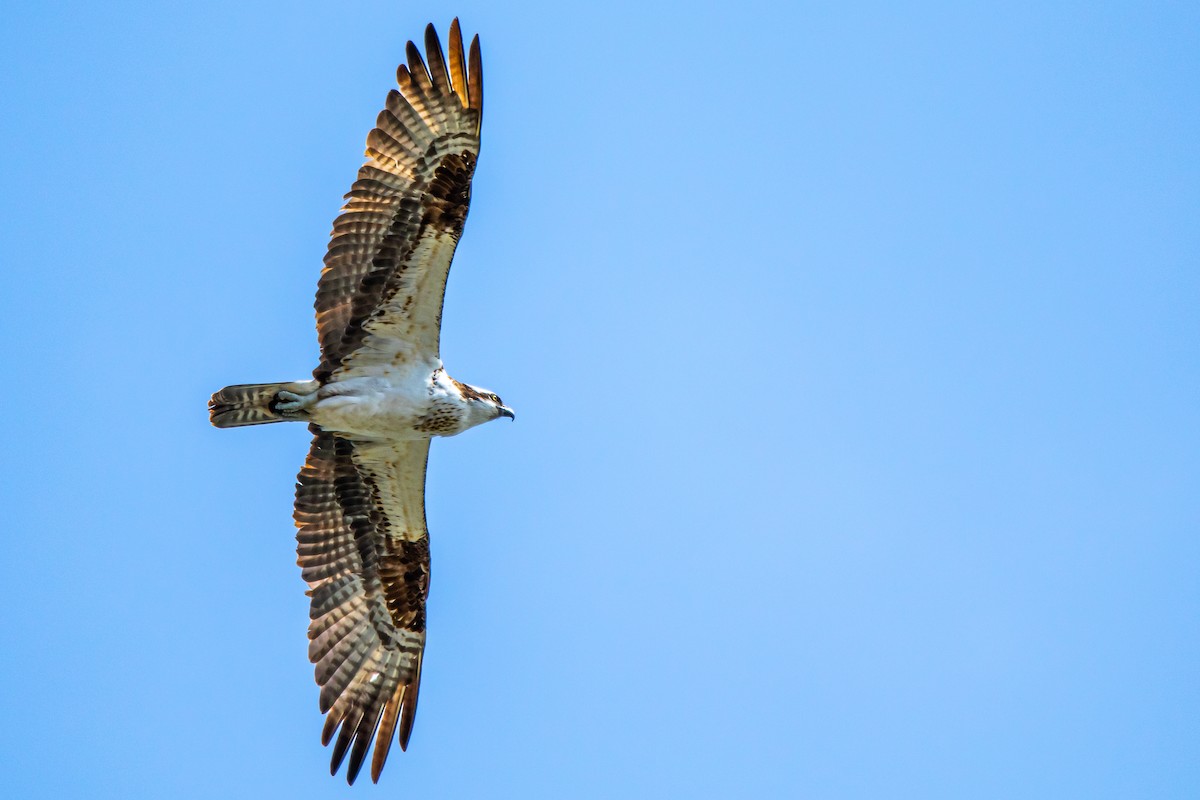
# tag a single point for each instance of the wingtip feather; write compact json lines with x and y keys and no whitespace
{"x":458,"y":68}
{"x":345,"y":737}
{"x":475,"y":81}
{"x":328,"y":729}
{"x":437,"y":61}
{"x":416,"y":66}
{"x":408,"y":710}
{"x":386,"y":733}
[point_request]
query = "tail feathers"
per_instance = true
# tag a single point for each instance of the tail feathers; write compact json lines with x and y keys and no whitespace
{"x":254,"y":404}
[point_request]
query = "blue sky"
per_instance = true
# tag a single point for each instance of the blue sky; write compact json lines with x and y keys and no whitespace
{"x":854,"y":349}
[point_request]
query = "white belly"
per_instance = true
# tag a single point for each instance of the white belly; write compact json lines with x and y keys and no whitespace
{"x":375,"y":407}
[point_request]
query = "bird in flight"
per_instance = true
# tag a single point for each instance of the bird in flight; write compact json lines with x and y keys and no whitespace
{"x":376,"y":399}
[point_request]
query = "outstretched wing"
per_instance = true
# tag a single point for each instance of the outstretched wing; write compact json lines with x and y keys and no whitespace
{"x":380,"y":293}
{"x":364,"y":552}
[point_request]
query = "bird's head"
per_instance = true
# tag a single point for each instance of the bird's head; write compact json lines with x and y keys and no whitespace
{"x":484,"y":405}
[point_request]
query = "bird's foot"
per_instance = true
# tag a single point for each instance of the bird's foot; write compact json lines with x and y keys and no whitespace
{"x":286,"y":402}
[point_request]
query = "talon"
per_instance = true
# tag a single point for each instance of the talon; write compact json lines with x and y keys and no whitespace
{"x":286,"y":402}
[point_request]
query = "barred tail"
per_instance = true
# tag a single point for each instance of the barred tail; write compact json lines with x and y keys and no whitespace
{"x":254,"y":404}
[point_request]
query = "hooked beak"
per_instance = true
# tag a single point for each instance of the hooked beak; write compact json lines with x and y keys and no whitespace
{"x":505,"y":411}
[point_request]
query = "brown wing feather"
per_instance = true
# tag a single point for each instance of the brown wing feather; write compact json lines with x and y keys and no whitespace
{"x":364,"y":552}
{"x":390,"y":250}
{"x":458,"y":69}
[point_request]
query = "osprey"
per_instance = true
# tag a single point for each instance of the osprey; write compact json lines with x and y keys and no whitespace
{"x":378,"y":396}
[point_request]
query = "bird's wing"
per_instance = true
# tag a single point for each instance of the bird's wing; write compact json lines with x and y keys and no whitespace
{"x":364,"y":552}
{"x":380,"y":293}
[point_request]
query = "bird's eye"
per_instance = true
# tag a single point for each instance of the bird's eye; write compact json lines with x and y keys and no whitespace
{"x":496,"y":399}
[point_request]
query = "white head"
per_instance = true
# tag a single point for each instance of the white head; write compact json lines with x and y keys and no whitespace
{"x":482,"y":405}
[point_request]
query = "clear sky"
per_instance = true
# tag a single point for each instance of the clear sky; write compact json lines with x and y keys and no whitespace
{"x":855,"y":350}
